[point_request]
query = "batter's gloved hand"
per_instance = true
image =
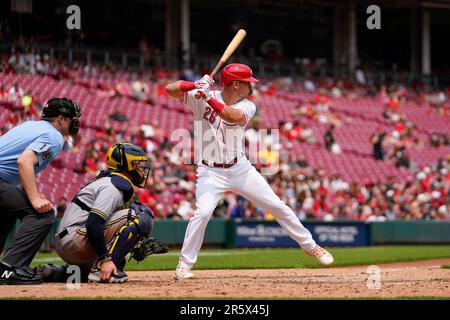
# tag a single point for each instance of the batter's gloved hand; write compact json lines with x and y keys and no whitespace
{"x":204,"y":82}
{"x":146,"y":247}
{"x":204,"y":94}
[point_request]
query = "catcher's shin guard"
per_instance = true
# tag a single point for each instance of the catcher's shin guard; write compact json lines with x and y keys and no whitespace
{"x":129,"y":235}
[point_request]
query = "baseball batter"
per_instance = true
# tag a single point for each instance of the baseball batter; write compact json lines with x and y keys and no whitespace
{"x":223,"y":165}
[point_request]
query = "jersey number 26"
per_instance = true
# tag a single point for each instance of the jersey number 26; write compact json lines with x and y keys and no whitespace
{"x":211,"y":113}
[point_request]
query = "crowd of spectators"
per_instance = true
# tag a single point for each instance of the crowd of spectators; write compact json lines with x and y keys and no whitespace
{"x":21,"y":105}
{"x":317,"y":195}
{"x":311,"y":192}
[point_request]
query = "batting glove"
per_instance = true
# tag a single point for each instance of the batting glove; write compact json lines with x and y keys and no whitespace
{"x":205,"y":81}
{"x":204,"y":93}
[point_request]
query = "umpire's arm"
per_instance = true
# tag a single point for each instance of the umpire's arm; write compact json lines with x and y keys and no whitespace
{"x":25,"y":164}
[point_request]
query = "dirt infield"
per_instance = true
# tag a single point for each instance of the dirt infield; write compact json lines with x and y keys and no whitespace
{"x":412,"y":279}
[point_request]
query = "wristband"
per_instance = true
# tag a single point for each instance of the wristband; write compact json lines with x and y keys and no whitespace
{"x":106,"y":255}
{"x":186,"y":86}
{"x":216,"y":105}
{"x":101,"y":260}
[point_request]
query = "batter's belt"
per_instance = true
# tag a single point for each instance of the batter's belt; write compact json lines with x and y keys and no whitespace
{"x":220,"y":165}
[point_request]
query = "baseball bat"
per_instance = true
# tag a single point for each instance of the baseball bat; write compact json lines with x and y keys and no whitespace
{"x":240,"y":35}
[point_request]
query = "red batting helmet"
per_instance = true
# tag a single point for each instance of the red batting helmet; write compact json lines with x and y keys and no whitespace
{"x":236,"y":71}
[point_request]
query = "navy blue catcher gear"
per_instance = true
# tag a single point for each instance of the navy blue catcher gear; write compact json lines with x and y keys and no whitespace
{"x":145,"y":217}
{"x":139,"y":225}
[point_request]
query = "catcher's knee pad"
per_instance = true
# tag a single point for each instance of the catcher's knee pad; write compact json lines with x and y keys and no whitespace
{"x":145,"y":222}
{"x":140,"y":225}
{"x":125,"y":240}
{"x":145,"y":217}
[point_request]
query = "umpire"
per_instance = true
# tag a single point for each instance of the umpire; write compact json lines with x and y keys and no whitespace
{"x":25,"y":151}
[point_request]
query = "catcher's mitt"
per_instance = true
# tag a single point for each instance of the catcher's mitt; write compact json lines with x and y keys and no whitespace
{"x":147,"y":247}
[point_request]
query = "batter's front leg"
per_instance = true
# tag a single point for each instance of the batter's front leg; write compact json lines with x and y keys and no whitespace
{"x":210,"y":187}
{"x":250,"y":184}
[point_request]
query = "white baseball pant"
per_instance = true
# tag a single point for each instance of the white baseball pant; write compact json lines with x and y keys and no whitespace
{"x":244,"y":179}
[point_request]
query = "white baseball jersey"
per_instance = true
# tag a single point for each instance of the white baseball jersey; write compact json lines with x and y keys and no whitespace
{"x":220,"y":142}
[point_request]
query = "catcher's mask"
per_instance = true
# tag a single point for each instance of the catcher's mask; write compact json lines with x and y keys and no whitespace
{"x":131,"y":159}
{"x":62,"y":106}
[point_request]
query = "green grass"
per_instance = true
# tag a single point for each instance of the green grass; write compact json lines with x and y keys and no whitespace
{"x":281,"y":258}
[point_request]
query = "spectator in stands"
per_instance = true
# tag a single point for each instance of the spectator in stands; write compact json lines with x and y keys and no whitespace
{"x":377,"y":143}
{"x":118,"y":115}
{"x":309,"y":85}
{"x":302,"y":162}
{"x":17,"y":62}
{"x":435,"y":140}
{"x":172,"y":212}
{"x":221,"y":210}
{"x":3,"y":93}
{"x":436,"y":101}
{"x":140,"y":90}
{"x":360,"y":76}
{"x":41,"y":68}
{"x":28,"y":105}
{"x":186,"y":206}
{"x":12,"y":120}
{"x":15,"y":92}
{"x":445,"y":139}
{"x":90,"y":163}
{"x":401,"y":158}
{"x":254,"y":212}
{"x":329,"y":138}
{"x":239,"y":210}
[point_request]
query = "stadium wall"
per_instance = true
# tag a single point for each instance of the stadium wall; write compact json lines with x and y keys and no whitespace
{"x":400,"y":232}
{"x":256,"y":233}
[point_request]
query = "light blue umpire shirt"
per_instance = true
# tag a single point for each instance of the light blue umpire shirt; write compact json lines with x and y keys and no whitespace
{"x":40,"y":136}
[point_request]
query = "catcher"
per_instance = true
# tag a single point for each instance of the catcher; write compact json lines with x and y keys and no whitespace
{"x":103,"y":224}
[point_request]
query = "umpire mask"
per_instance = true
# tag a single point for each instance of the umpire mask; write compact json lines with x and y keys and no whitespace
{"x":65,"y":107}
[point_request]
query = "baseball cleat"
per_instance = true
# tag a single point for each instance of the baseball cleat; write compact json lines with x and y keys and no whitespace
{"x":52,"y":273}
{"x":322,"y":255}
{"x":182,"y":273}
{"x":20,"y":276}
{"x":121,"y":277}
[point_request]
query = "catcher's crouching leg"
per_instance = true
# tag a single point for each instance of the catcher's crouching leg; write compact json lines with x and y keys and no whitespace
{"x":52,"y":273}
{"x":129,"y":236}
